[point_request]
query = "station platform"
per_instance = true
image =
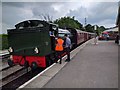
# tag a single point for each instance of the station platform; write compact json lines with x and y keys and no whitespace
{"x":91,"y":66}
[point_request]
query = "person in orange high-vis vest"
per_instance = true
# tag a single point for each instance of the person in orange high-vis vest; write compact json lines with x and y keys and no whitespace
{"x":59,"y":49}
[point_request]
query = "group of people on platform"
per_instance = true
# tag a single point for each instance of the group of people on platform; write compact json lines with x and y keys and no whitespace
{"x":63,"y":45}
{"x":107,"y":38}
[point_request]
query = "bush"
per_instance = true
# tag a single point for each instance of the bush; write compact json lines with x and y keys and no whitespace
{"x":3,"y":41}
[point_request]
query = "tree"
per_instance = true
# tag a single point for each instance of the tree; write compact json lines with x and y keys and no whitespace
{"x":68,"y":22}
{"x":100,"y":29}
{"x":89,"y":28}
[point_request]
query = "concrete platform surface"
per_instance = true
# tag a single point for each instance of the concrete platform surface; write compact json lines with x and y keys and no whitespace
{"x":96,"y":66}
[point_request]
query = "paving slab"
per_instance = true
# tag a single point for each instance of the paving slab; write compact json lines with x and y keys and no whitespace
{"x":95,"y":66}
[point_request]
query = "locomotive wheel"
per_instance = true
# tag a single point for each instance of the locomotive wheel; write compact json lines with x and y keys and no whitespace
{"x":52,"y":59}
{"x":26,"y":64}
{"x":48,"y":62}
{"x":34,"y":65}
{"x":10,"y":63}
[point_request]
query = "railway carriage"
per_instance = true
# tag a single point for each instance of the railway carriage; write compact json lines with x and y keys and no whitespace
{"x":79,"y":36}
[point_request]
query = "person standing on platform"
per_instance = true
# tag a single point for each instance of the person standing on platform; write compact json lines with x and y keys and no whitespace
{"x":59,"y":49}
{"x":107,"y":37}
{"x":95,"y":40}
{"x":67,"y":47}
{"x":117,"y":39}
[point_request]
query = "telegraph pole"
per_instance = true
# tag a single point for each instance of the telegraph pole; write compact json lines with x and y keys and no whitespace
{"x":85,"y":23}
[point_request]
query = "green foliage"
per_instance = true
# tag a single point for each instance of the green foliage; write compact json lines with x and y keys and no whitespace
{"x":89,"y":28}
{"x":100,"y":29}
{"x":3,"y":41}
{"x":65,"y":22}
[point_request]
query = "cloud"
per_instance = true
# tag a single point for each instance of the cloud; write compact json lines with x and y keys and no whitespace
{"x":101,"y":13}
{"x":0,"y":17}
{"x":13,"y":13}
{"x":5,"y":27}
{"x":60,"y":0}
{"x":97,"y":14}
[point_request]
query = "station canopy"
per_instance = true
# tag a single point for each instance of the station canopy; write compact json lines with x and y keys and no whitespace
{"x":111,"y":30}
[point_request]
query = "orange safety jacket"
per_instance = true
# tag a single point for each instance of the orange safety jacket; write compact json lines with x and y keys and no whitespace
{"x":59,"y":45}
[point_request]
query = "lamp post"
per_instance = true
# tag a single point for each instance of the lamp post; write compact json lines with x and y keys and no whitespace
{"x":95,"y":38}
{"x":85,"y":24}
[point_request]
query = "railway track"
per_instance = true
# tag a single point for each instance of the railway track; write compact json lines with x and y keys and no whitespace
{"x":10,"y":74}
{"x":4,"y":64}
{"x":13,"y":77}
{"x":4,"y":56}
{"x":20,"y":79}
{"x":8,"y":71}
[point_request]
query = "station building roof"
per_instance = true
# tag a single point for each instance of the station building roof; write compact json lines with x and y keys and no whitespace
{"x":113,"y":30}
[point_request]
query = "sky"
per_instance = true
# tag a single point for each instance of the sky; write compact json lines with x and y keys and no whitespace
{"x":96,"y":12}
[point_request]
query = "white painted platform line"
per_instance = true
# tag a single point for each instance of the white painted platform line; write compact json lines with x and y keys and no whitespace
{"x":80,"y":47}
{"x":36,"y":76}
